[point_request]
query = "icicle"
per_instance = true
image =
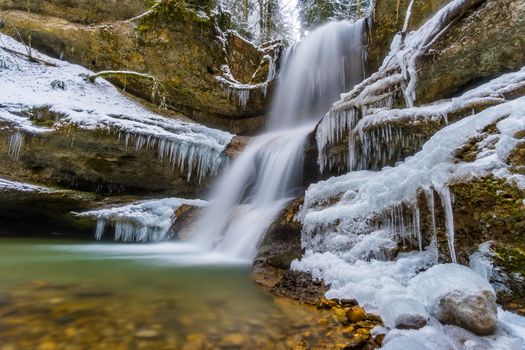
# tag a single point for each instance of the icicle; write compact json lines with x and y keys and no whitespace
{"x":147,"y":221}
{"x":446,"y":200}
{"x":15,"y":145}
{"x":101,"y":226}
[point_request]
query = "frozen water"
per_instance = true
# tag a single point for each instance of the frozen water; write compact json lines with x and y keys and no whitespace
{"x":146,"y":221}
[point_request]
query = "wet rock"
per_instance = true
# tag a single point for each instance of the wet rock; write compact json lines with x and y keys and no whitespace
{"x":356,"y":314}
{"x":282,"y":242}
{"x":300,"y":286}
{"x":339,"y":315}
{"x":348,"y":302}
{"x":326,"y":303}
{"x":233,"y":340}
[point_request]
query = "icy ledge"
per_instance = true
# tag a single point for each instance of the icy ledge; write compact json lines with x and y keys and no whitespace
{"x":351,"y":244}
{"x":144,"y":221}
{"x":397,"y":76}
{"x":7,"y":185}
{"x":61,"y":88}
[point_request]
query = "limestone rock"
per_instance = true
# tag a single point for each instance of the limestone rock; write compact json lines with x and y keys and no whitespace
{"x":92,"y":161}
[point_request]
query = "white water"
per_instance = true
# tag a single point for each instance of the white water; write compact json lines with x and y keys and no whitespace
{"x":262,"y":180}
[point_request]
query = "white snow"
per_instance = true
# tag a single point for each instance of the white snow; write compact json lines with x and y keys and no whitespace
{"x":8,"y":185}
{"x":144,"y":221}
{"x":63,"y":88}
{"x":441,"y":279}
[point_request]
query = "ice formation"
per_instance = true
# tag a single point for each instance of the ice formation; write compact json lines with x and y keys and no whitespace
{"x":8,"y":185}
{"x":397,"y":75}
{"x":372,"y":137}
{"x":381,"y":199}
{"x":145,"y":221}
{"x":62,"y":88}
{"x":351,"y":244}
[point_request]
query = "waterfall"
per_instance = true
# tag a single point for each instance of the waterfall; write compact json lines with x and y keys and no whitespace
{"x":249,"y":196}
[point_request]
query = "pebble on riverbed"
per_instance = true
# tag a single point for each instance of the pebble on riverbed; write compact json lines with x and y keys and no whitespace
{"x":356,"y":324}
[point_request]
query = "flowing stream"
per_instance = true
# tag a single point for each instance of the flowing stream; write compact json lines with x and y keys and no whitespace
{"x":268,"y":173}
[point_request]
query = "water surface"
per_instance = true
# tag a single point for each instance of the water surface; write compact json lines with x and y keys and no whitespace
{"x":57,"y":294}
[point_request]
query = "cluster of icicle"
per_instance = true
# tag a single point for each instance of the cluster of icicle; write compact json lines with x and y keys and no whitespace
{"x":146,"y":221}
{"x":376,"y":94}
{"x":380,"y":200}
{"x":354,"y":226}
{"x":190,"y":148}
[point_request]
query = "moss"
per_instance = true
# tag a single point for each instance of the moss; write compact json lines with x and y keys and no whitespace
{"x":510,"y":258}
{"x":171,"y":12}
{"x":491,"y":209}
{"x":517,"y":159}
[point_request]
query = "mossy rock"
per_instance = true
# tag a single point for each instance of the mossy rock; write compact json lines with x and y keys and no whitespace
{"x":483,"y":44}
{"x":93,"y":161}
{"x":81,"y":11}
{"x":178,"y":43}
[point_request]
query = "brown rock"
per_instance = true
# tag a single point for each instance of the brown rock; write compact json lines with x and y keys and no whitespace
{"x":356,"y":314}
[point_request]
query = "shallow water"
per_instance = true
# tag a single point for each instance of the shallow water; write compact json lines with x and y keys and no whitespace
{"x":57,"y":294}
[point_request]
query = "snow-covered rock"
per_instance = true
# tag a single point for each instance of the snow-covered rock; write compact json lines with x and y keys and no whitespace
{"x":404,"y":313}
{"x":456,"y":295}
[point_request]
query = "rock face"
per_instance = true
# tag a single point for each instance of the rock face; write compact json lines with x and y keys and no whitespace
{"x":282,"y":242}
{"x":27,"y":211}
{"x":278,"y":248}
{"x":487,"y":42}
{"x":205,"y":71}
{"x":476,"y":313}
{"x":86,"y":12}
{"x":93,"y":161}
{"x":388,"y":19}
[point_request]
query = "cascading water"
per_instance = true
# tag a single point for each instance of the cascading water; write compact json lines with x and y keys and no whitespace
{"x":262,"y":180}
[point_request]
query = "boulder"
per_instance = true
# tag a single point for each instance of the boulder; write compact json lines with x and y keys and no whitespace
{"x":455,"y":294}
{"x":475,"y":312}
